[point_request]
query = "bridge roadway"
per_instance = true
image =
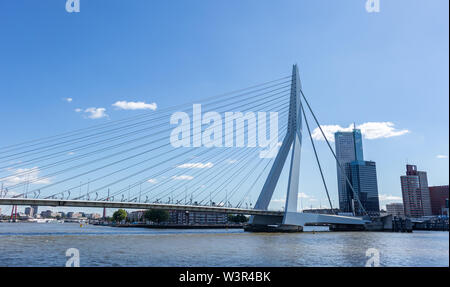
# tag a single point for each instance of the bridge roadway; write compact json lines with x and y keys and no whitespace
{"x":135,"y":205}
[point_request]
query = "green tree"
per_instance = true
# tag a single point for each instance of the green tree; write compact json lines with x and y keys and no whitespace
{"x":156,"y":215}
{"x":239,"y":218}
{"x":120,"y":215}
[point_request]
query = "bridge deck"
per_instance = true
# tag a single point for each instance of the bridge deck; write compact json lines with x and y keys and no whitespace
{"x":134,"y":205}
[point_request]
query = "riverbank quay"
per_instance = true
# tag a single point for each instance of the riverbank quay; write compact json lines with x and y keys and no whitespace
{"x":174,"y":226}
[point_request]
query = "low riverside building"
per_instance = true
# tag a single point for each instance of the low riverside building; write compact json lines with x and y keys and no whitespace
{"x":93,"y":216}
{"x":136,"y":216}
{"x":74,"y":214}
{"x":47,"y":214}
{"x":439,"y":199}
{"x":183,"y":217}
{"x":190,"y":217}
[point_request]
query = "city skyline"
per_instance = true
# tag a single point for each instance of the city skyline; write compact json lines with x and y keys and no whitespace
{"x":205,"y":138}
{"x":64,"y":99}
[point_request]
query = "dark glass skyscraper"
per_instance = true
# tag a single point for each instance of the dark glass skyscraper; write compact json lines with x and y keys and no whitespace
{"x":361,"y":174}
{"x":348,"y":148}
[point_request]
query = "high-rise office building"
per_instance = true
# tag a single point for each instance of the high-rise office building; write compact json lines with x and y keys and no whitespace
{"x":348,"y":149}
{"x":439,"y":199}
{"x":363,"y":176}
{"x":35,"y":209}
{"x":415,"y":192}
{"x":29,"y":211}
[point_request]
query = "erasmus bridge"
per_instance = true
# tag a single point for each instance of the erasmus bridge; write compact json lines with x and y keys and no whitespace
{"x":143,"y":162}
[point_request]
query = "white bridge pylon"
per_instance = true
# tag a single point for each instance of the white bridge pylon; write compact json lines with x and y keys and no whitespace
{"x":292,"y":140}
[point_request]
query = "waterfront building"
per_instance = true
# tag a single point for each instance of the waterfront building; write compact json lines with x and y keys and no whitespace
{"x":136,"y":216}
{"x":35,"y":209}
{"x":184,"y":217}
{"x":363,"y":176}
{"x":187,"y":217}
{"x":439,"y":199}
{"x":94,"y":216}
{"x":395,"y":209}
{"x":415,"y":192}
{"x":72,"y":214}
{"x":29,"y":211}
{"x":47,"y":214}
{"x":348,"y":146}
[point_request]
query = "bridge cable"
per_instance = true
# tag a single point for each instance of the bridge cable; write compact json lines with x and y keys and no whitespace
{"x":127,"y":168}
{"x":253,"y":184}
{"x":164,"y":191}
{"x":82,"y":139}
{"x":317,"y":158}
{"x":133,"y":140}
{"x":68,"y":134}
{"x":114,"y":171}
{"x":163,"y":138}
{"x":334,"y":154}
{"x":227,"y":180}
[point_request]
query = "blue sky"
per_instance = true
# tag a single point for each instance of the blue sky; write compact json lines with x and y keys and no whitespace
{"x":355,"y":66}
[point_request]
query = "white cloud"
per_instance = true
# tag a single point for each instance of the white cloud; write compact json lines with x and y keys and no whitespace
{"x":385,"y":197}
{"x":78,"y":110}
{"x":69,"y":100}
{"x":300,"y":195}
{"x":124,"y":105}
{"x":196,"y":165}
{"x":182,"y":177}
{"x":231,"y":161}
{"x":96,"y":113}
{"x":375,"y":130}
{"x":303,"y":195}
{"x":70,"y":153}
{"x":441,"y":156}
{"x":152,"y":180}
{"x":370,"y":130}
{"x":23,"y":175}
{"x":278,"y":200}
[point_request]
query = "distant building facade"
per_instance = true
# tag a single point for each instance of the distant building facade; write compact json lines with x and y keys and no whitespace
{"x":439,"y":199}
{"x":35,"y":209}
{"x":189,"y":217}
{"x":74,"y":215}
{"x":136,"y":216}
{"x":395,"y":209}
{"x":93,"y":216}
{"x":184,"y":217}
{"x":47,"y":214}
{"x":29,"y":211}
{"x":415,"y":192}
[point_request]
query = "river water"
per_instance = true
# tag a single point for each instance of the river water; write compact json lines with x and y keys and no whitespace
{"x":45,"y":244}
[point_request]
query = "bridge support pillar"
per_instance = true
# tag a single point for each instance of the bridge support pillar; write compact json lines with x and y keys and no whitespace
{"x":292,"y":220}
{"x":291,"y":142}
